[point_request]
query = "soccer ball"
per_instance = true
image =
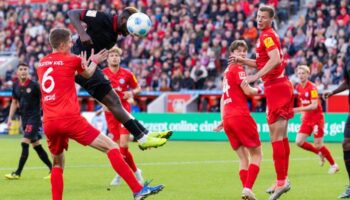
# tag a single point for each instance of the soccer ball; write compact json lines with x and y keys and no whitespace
{"x":139,"y":24}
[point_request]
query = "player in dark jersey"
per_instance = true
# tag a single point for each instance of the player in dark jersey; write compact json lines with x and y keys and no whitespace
{"x":26,"y":96}
{"x":102,"y":33}
{"x":346,"y":142}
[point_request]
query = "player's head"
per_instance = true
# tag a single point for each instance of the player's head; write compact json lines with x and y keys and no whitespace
{"x":60,"y":40}
{"x":265,"y":17}
{"x":239,"y":48}
{"x":114,"y":55}
{"x":23,"y":71}
{"x":123,"y":18}
{"x":303,"y":73}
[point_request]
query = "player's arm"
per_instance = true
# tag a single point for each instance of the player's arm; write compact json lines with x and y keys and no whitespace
{"x":13,"y":109}
{"x":244,"y":61}
{"x":220,"y":125}
{"x":75,"y":18}
{"x":343,"y":86}
{"x":274,"y":60}
{"x":88,"y":67}
{"x":248,"y":90}
{"x":312,"y":106}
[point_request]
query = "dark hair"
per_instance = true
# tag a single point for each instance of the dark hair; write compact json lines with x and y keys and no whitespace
{"x":268,"y":9}
{"x":59,"y":36}
{"x":22,"y":65}
{"x":238,"y":43}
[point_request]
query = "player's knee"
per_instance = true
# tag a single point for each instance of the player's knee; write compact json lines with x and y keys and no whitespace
{"x":58,"y":160}
{"x":299,"y":143}
{"x":318,"y":145}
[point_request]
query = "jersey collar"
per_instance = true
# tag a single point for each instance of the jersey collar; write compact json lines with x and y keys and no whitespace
{"x":25,"y":84}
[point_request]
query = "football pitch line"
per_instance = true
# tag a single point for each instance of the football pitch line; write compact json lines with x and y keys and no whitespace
{"x":171,"y":163}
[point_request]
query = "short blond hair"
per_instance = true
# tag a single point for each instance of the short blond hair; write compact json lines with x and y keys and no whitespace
{"x":304,"y":67}
{"x":116,"y":50}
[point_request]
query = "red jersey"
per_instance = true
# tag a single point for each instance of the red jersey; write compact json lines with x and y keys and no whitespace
{"x":56,"y":74}
{"x":269,"y":40}
{"x":306,"y":95}
{"x":121,"y":81}
{"x":235,"y":101}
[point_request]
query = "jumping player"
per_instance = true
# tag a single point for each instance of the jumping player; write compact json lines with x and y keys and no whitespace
{"x":102,"y":33}
{"x":279,"y":94}
{"x":345,"y":85}
{"x":26,"y":95}
{"x":312,"y":119}
{"x":125,"y":85}
{"x":239,"y":126}
{"x":62,"y":119}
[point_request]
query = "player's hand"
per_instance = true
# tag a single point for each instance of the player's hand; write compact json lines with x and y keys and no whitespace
{"x":99,"y":57}
{"x":326,"y":95}
{"x":251,"y":79}
{"x":128,"y":95}
{"x":84,"y":60}
{"x":86,"y":40}
{"x":9,"y":123}
{"x":233,"y":59}
{"x":219,"y":127}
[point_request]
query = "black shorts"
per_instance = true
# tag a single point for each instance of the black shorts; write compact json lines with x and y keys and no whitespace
{"x":347,"y":128}
{"x":98,"y":86}
{"x":32,"y":130}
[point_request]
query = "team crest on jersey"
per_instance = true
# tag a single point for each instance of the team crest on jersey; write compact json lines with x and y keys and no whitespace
{"x":241,"y":75}
{"x":306,"y":94}
{"x":28,"y":90}
{"x":121,"y":81}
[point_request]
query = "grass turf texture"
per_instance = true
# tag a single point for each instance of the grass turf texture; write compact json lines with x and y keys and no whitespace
{"x":189,"y":170}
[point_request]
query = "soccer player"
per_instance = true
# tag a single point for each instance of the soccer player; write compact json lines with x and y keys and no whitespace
{"x":239,"y":126}
{"x":278,"y":91}
{"x":26,"y":96}
{"x":62,"y":119}
{"x":345,"y":85}
{"x":125,"y":85}
{"x":312,"y":119}
{"x":102,"y":33}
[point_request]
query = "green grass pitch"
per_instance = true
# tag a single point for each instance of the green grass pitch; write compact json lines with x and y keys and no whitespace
{"x":189,"y":170}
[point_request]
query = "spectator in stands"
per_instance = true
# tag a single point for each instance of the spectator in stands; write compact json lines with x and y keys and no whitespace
{"x":199,"y":73}
{"x":187,"y":82}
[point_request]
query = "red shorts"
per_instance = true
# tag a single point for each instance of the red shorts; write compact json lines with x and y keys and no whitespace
{"x":315,"y":126}
{"x":59,"y":131}
{"x":242,"y":131}
{"x":115,"y":127}
{"x":279,"y":99}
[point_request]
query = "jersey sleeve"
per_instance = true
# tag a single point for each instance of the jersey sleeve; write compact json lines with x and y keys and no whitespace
{"x":78,"y":65}
{"x":269,"y":41}
{"x":133,"y":81}
{"x":313,"y":93}
{"x":93,"y":18}
{"x":37,"y":90}
{"x":240,"y":75}
{"x":14,"y":95}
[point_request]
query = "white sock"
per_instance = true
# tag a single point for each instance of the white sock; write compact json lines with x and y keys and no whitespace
{"x":143,"y":139}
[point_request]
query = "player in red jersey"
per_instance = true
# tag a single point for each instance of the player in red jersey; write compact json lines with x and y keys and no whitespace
{"x":125,"y":85}
{"x":239,"y":126}
{"x":278,"y":91}
{"x":62,"y":119}
{"x":312,"y":119}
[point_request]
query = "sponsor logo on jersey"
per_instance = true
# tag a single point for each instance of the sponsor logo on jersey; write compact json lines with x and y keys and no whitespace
{"x":28,"y":90}
{"x":241,"y":75}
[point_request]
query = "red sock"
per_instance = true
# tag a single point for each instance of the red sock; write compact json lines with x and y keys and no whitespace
{"x":253,"y":172}
{"x":287,"y":151}
{"x":128,"y":158}
{"x":243,"y":173}
{"x":278,"y":155}
{"x":57,"y":183}
{"x":123,"y":169}
{"x":327,"y":154}
{"x":309,"y":147}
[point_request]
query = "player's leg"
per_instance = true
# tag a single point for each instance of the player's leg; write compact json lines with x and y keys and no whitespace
{"x":57,"y":182}
{"x":243,"y":156}
{"x":326,"y":154}
{"x":302,"y":143}
{"x":346,"y":153}
{"x":99,"y":87}
{"x":38,"y":147}
{"x":22,"y":160}
{"x":105,"y":144}
{"x":252,"y":172}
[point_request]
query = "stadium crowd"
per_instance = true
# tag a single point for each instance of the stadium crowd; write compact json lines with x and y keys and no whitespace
{"x":187,"y":48}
